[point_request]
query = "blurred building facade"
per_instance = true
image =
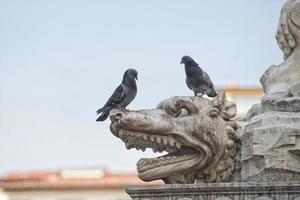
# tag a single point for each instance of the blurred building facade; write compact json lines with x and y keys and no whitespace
{"x":79,"y":184}
{"x":244,"y":97}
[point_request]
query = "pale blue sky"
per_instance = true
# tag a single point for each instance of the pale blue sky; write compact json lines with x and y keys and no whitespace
{"x":61,"y":59}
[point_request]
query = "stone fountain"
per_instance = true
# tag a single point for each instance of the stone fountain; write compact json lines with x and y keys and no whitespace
{"x":210,"y":156}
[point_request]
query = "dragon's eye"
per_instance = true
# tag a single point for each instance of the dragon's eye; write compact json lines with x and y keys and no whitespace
{"x":182,"y":112}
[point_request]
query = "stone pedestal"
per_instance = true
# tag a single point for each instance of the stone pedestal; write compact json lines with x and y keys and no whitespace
{"x":271,"y":147}
{"x":218,"y":191}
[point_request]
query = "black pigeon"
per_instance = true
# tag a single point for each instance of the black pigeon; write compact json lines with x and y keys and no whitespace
{"x":197,"y":79}
{"x":122,"y":96}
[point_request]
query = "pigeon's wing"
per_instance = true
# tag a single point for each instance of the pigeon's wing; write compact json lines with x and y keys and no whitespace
{"x":199,"y":71}
{"x":117,"y":97}
{"x":207,"y":80}
{"x":188,"y":84}
{"x":195,"y":77}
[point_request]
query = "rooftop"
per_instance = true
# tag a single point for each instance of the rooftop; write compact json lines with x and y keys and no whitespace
{"x":70,"y":180}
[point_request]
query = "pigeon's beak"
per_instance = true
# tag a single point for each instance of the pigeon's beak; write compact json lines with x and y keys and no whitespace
{"x":181,"y":62}
{"x":136,"y":78}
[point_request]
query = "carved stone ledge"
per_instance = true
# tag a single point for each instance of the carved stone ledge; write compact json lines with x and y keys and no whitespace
{"x":218,"y":191}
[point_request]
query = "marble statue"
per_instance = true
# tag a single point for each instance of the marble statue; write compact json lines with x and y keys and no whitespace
{"x":197,"y":133}
{"x":282,"y":83}
{"x":271,"y":129}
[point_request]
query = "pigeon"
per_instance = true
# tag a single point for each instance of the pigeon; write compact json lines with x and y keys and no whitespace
{"x":197,"y":79}
{"x":122,"y":95}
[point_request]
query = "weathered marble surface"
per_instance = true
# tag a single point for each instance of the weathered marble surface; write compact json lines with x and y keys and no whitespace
{"x":218,"y":191}
{"x":279,"y":79}
{"x":196,"y":132}
{"x":271,"y":129}
{"x":271,"y":147}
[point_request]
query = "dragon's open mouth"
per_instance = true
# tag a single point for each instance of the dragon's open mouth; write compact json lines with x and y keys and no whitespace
{"x":183,"y":155}
{"x":178,"y":156}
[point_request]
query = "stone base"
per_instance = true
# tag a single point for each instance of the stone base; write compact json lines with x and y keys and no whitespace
{"x":218,"y":191}
{"x":271,"y":147}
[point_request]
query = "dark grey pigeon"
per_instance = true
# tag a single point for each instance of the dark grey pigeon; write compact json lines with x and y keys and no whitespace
{"x":197,"y":79}
{"x":122,"y":96}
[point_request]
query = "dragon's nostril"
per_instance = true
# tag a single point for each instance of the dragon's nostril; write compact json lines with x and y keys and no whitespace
{"x":115,"y":116}
{"x":119,"y":115}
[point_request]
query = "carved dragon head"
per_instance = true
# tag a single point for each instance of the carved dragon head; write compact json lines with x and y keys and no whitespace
{"x":196,"y":132}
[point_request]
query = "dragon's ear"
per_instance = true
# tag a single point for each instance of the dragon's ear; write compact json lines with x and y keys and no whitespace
{"x":227,"y":108}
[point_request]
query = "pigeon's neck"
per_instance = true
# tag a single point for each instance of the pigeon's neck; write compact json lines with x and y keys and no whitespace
{"x":129,"y":82}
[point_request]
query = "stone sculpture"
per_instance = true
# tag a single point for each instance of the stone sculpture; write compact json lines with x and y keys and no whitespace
{"x":271,"y":130}
{"x":202,"y":140}
{"x":207,"y":140}
{"x":196,"y":132}
{"x":282,"y":83}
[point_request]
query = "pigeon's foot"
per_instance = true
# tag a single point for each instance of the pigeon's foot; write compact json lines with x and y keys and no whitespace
{"x":199,"y":94}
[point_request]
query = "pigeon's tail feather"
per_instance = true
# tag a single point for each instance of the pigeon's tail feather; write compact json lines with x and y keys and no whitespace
{"x":105,"y":113}
{"x":103,"y":109}
{"x":100,"y":110}
{"x":212,"y":92}
{"x":103,"y":116}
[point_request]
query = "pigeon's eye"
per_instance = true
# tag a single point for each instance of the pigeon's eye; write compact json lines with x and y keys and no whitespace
{"x":182,"y":112}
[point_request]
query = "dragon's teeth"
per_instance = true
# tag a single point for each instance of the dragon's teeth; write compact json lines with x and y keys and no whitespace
{"x":172,"y":142}
{"x":152,"y":138}
{"x":158,"y":140}
{"x":178,"y":145}
{"x":127,"y":146}
{"x":143,"y":148}
{"x":154,"y":150}
{"x":165,"y":141}
{"x":145,"y":137}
